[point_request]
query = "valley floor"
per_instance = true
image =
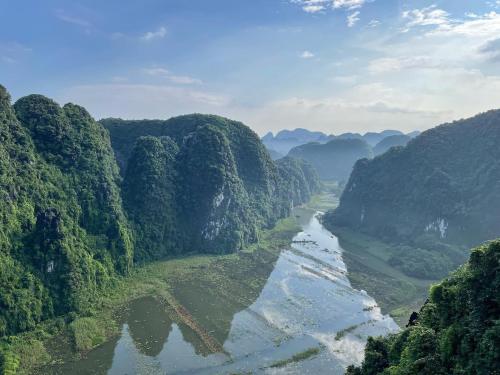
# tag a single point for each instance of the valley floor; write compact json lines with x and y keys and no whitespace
{"x":56,"y":343}
{"x":367,"y":262}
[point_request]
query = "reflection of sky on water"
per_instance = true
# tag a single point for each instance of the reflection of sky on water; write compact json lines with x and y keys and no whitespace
{"x":305,"y":302}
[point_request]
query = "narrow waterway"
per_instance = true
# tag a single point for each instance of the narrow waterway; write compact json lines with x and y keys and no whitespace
{"x":306,"y":305}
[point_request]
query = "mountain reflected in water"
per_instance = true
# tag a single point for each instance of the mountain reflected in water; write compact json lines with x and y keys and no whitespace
{"x":305,"y":302}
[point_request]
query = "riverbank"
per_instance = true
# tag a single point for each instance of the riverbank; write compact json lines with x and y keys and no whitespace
{"x":366,"y":259}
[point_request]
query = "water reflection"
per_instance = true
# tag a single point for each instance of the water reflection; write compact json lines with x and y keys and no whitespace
{"x":148,"y":325}
{"x":265,"y":310}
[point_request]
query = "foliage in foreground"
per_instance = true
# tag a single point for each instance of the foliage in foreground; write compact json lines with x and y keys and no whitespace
{"x":457,"y":330}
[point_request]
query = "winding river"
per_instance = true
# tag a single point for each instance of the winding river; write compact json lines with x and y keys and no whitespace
{"x":307,"y":305}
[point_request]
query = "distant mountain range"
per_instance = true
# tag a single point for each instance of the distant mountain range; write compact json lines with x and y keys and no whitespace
{"x":333,"y":156}
{"x":285,"y":140}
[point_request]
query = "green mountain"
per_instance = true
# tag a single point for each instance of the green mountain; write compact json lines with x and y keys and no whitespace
{"x":225,"y":185}
{"x":63,"y":232}
{"x":457,"y":330}
{"x":285,"y":140}
{"x":444,"y":185}
{"x":149,"y":197}
{"x":389,"y":142}
{"x":69,"y":224}
{"x":299,"y":181}
{"x":275,"y":155}
{"x":333,"y":160}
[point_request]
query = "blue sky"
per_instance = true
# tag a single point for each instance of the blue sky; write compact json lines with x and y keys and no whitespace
{"x":330,"y":65}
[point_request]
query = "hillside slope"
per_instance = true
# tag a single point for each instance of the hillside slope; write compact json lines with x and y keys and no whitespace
{"x":444,"y":184}
{"x":333,"y":160}
{"x":457,"y":330}
{"x":63,"y":232}
{"x":391,"y":141}
{"x":209,"y":185}
{"x":226,"y":186}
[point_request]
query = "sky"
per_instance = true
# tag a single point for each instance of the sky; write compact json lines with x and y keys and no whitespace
{"x":328,"y":65}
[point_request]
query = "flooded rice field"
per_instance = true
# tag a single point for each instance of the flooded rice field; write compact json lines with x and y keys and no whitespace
{"x":302,"y":317}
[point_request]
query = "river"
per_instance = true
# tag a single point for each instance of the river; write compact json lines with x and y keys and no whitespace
{"x":307,"y":306}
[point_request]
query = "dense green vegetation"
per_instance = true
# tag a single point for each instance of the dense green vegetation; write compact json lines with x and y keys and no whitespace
{"x":457,"y":330}
{"x":148,"y":197}
{"x":63,"y":231}
{"x":370,"y":268}
{"x":431,"y":199}
{"x":208,"y":185}
{"x":211,"y":191}
{"x":333,"y":160}
{"x":444,"y":184}
{"x":301,"y":180}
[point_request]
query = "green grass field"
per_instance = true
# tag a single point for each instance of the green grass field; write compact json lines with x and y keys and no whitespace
{"x":366,"y":260}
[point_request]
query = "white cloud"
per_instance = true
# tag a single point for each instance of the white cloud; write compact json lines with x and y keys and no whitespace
{"x":375,"y":106}
{"x":345,"y":80}
{"x":165,"y":73}
{"x":430,"y":16}
{"x":8,"y":60}
{"x":362,"y":107}
{"x":348,"y":4}
{"x":64,"y":16}
{"x":13,"y":52}
{"x":374,"y":23}
{"x":486,"y":25}
{"x":491,"y":49}
{"x":307,"y":55}
{"x":441,"y":22}
{"x":119,"y":79}
{"x":185,"y":80}
{"x":311,"y":6}
{"x":315,"y":6}
{"x":352,"y":19}
{"x":395,"y":64}
{"x":160,"y":33}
